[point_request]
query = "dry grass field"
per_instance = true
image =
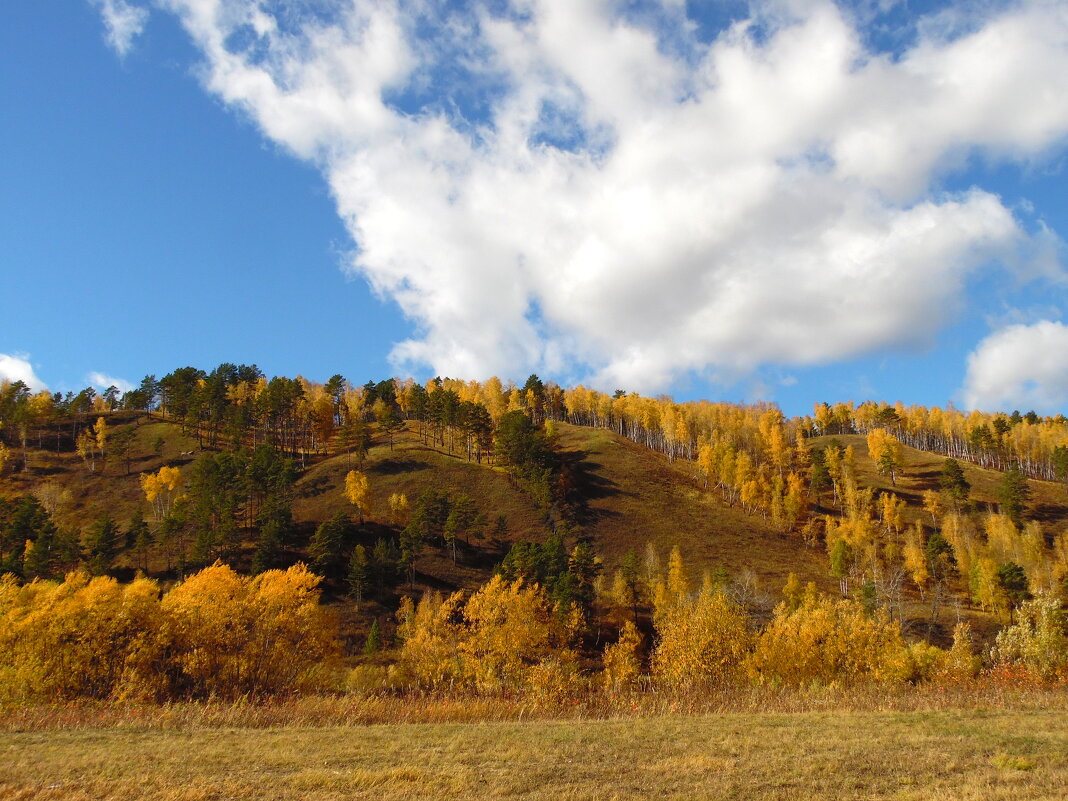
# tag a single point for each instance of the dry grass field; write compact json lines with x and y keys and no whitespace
{"x":934,"y":754}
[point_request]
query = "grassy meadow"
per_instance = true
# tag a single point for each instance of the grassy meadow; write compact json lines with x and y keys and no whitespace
{"x":918,"y":754}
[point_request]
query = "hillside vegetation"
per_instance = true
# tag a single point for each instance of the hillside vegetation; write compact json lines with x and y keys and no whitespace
{"x":694,"y":541}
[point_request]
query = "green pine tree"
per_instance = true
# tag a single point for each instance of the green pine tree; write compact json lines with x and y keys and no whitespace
{"x":103,"y":542}
{"x":374,"y":639}
{"x":1013,"y":494}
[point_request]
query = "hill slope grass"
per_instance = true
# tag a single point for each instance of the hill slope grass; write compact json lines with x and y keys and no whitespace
{"x":632,"y":496}
{"x":819,"y":755}
{"x":923,"y":469}
{"x":638,"y":496}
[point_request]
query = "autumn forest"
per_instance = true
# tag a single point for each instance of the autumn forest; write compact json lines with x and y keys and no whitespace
{"x":221,"y":535}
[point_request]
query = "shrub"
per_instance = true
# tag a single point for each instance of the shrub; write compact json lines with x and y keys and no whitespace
{"x":216,"y":634}
{"x":825,"y":641}
{"x":79,"y":638}
{"x":1037,"y":640}
{"x":488,"y":643}
{"x":233,"y":635}
{"x":701,"y":639}
{"x":622,"y":660}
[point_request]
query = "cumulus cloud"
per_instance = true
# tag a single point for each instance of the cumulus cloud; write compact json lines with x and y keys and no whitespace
{"x":557,"y":185}
{"x":102,"y":381}
{"x":123,"y":23}
{"x":1020,"y":367}
{"x":17,"y":367}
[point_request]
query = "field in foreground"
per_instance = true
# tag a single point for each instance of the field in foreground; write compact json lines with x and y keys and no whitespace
{"x":974,"y":754}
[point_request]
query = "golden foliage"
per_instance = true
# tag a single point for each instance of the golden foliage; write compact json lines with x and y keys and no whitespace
{"x":508,"y":627}
{"x":1037,"y":640}
{"x":959,"y":531}
{"x":358,"y":492}
{"x":217,"y":634}
{"x":915,"y":558}
{"x":84,"y":445}
{"x":960,"y":663}
{"x":983,"y":581}
{"x":886,"y":451}
{"x":100,"y":434}
{"x":235,"y":635}
{"x":701,"y":639}
{"x":77,"y":638}
{"x":398,"y":509}
{"x":792,"y":592}
{"x":622,"y":660}
{"x":932,"y":504}
{"x":489,"y":643}
{"x":892,"y":511}
{"x":430,"y":631}
{"x":826,"y":640}
{"x":161,"y":489}
{"x":678,"y":585}
{"x":553,"y":680}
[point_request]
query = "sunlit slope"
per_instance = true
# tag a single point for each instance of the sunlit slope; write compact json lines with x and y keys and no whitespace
{"x":923,"y":469}
{"x":637,"y":496}
{"x":629,"y":496}
{"x":77,"y":495}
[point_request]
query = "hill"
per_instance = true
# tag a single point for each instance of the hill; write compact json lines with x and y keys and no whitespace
{"x":630,"y":496}
{"x":712,"y":479}
{"x":923,"y":469}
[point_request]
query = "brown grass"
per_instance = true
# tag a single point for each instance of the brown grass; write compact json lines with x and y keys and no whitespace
{"x":1016,"y":746}
{"x":1049,"y":503}
{"x":991,"y":692}
{"x":638,"y":496}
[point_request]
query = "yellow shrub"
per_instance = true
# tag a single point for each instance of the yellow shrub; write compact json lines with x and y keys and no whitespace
{"x":1037,"y":640}
{"x":552,"y":680}
{"x":960,"y":662}
{"x":75,"y":638}
{"x":509,"y":628}
{"x":489,"y":643}
{"x":703,"y":639}
{"x":431,"y":634}
{"x":372,"y":679}
{"x":232,"y":635}
{"x":922,"y":661}
{"x":622,"y":663}
{"x":215,"y":634}
{"x":824,"y":640}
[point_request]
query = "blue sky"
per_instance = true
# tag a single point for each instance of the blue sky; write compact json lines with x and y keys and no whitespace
{"x":146,"y":227}
{"x":795,"y":201}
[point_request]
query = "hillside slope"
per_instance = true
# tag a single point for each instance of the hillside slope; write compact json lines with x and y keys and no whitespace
{"x":922,"y":470}
{"x":629,"y":497}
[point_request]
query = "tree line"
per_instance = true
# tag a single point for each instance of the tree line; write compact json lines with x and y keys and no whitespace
{"x":218,"y":634}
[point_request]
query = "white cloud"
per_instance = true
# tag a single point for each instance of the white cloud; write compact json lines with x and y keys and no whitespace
{"x":17,"y":367}
{"x":123,"y":23}
{"x":1020,"y":367}
{"x":102,"y":381}
{"x":550,"y":188}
